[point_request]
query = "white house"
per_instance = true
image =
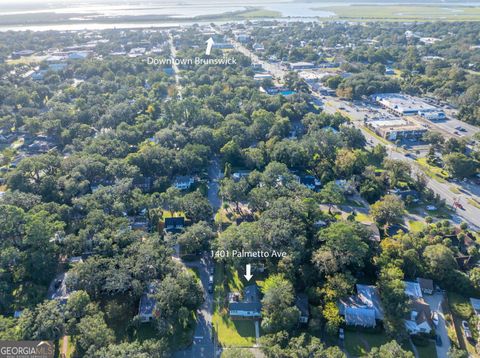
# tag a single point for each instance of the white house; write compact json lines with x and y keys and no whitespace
{"x":183,"y":182}
{"x":146,"y":307}
{"x":250,"y":307}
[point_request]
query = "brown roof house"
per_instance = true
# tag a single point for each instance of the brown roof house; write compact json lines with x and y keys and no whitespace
{"x":419,"y":318}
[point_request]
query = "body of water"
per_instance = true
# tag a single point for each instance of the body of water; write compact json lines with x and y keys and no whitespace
{"x":89,"y":14}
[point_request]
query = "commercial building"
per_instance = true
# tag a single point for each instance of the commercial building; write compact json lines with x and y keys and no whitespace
{"x":294,"y":66}
{"x":395,"y":129}
{"x":405,"y":105}
{"x":262,"y":76}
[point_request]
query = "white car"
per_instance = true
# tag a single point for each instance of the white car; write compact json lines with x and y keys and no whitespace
{"x":435,"y":318}
{"x":341,"y":334}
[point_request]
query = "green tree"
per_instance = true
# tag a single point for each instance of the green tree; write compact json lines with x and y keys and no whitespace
{"x":331,"y":194}
{"x":278,"y":304}
{"x":394,"y":300}
{"x":389,"y":350}
{"x":459,"y":165}
{"x":93,"y":334}
{"x":388,"y":210}
{"x":343,"y":247}
{"x":440,"y":261}
{"x":195,"y":238}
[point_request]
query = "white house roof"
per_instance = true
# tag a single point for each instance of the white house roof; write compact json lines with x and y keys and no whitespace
{"x":476,"y":305}
{"x":413,"y":289}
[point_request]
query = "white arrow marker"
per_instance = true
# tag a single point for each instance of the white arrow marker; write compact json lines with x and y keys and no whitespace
{"x":210,"y":43}
{"x":248,"y":275}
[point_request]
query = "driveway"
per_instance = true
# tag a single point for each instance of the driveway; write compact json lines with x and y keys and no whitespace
{"x":435,"y":302}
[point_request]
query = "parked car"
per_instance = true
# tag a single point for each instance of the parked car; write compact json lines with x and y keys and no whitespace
{"x":341,"y":334}
{"x":435,"y":318}
{"x":438,"y":340}
{"x":210,"y":288}
{"x":466,"y":330}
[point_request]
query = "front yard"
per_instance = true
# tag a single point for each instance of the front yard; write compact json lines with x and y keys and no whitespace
{"x":358,"y":344}
{"x":231,"y":333}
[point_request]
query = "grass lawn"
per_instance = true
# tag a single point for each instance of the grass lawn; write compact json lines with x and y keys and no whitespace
{"x":474,"y":202}
{"x":363,"y":218}
{"x":431,"y":171}
{"x":460,"y":306}
{"x":427,"y":351}
{"x":230,"y":333}
{"x":221,"y":218}
{"x":26,"y":60}
{"x":415,"y":226}
{"x":145,"y":331}
{"x":454,"y":189}
{"x":70,"y":348}
{"x":405,"y":12}
{"x":462,"y":311}
{"x":358,"y":344}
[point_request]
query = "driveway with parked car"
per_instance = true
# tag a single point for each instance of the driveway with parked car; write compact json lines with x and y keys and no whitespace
{"x":442,"y":341}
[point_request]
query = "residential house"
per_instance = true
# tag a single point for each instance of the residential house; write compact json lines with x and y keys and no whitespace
{"x":247,"y":307}
{"x":58,"y":289}
{"x":146,"y":307}
{"x":419,"y":318}
{"x":39,"y":146}
{"x":310,"y":181}
{"x":174,"y":223}
{"x":138,"y":222}
{"x":143,"y":183}
{"x":241,"y":174}
{"x":426,"y":285}
{"x":362,"y":309}
{"x":242,"y":37}
{"x":413,"y":290}
{"x":475,"y":302}
{"x":258,"y":47}
{"x":183,"y":182}
{"x":301,"y":302}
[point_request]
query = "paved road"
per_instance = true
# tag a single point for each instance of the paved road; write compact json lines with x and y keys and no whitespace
{"x":203,"y":345}
{"x":470,"y":214}
{"x":214,"y":175}
{"x":435,"y":302}
{"x":173,"y":55}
